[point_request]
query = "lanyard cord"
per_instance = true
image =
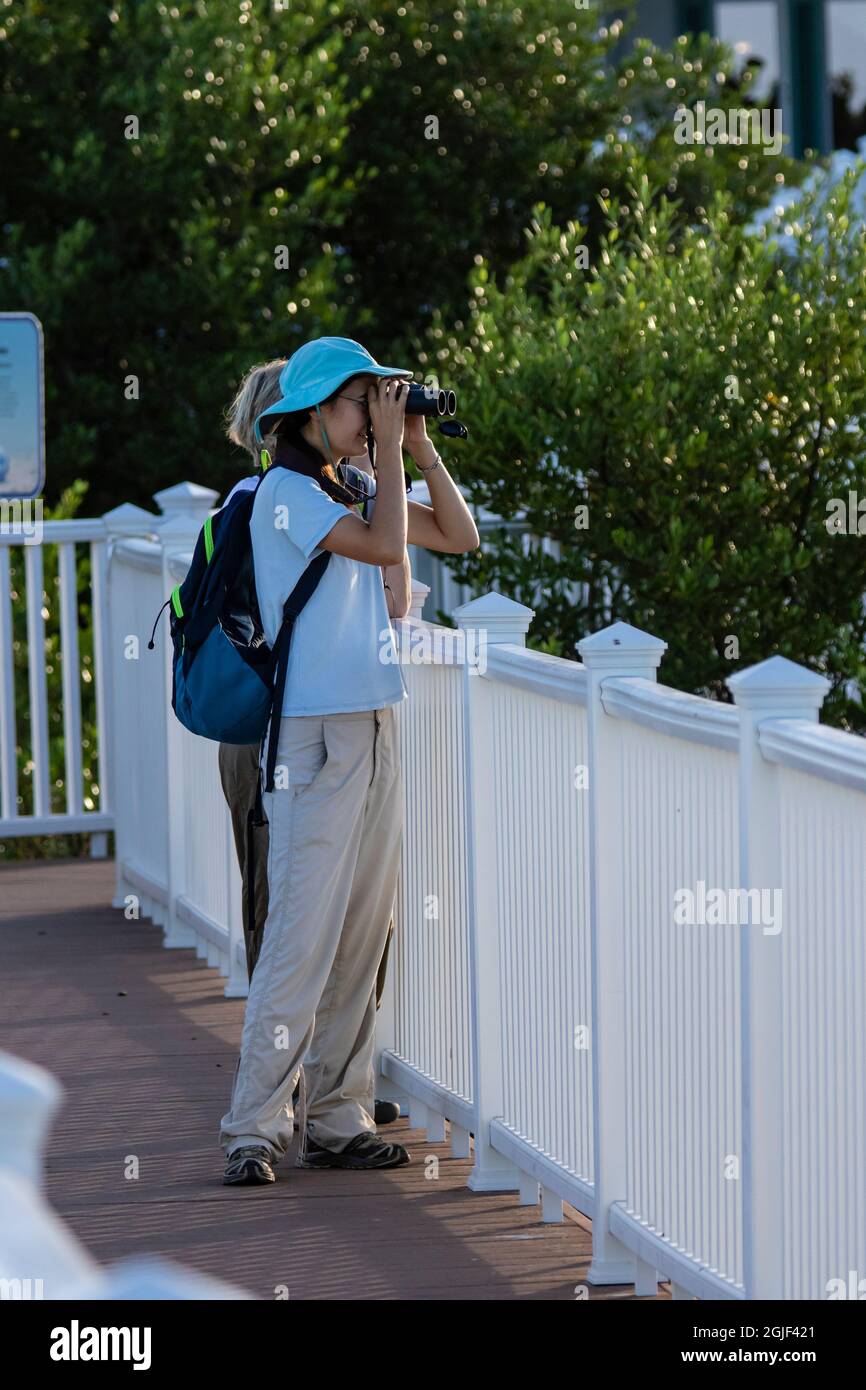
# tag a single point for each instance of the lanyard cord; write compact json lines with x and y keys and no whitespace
{"x":362,"y":496}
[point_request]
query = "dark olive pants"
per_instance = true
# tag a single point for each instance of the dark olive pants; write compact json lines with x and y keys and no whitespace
{"x":239,"y":772}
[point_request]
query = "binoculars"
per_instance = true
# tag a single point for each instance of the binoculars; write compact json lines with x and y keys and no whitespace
{"x":430,"y":400}
{"x":439,"y":403}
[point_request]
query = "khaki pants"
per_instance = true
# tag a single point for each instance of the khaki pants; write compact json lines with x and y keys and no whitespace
{"x":239,"y":774}
{"x":336,"y":825}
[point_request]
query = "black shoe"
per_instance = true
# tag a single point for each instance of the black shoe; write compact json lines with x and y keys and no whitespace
{"x":249,"y":1166}
{"x":366,"y":1150}
{"x":386,"y":1112}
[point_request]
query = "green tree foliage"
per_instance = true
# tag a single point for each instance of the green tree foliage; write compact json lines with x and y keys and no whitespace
{"x":156,"y":157}
{"x":704,"y":398}
{"x":147,"y":246}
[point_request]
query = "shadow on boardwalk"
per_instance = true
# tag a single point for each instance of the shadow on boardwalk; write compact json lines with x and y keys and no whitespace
{"x":145,"y":1044}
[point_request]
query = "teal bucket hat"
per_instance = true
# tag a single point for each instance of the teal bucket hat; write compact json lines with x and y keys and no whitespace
{"x":316,"y":370}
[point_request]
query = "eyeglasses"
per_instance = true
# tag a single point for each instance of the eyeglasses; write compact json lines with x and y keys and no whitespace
{"x":360,"y":400}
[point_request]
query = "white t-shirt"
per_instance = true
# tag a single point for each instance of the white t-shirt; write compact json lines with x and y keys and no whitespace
{"x":364,"y":482}
{"x":342,"y":656}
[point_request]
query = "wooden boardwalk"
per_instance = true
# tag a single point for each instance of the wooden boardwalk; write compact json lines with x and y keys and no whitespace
{"x":145,"y":1044}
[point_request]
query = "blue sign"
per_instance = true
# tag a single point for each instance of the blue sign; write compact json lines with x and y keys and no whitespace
{"x":22,"y":407}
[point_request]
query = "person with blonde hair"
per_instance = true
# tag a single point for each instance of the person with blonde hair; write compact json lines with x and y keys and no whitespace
{"x":239,"y":762}
{"x":259,"y":389}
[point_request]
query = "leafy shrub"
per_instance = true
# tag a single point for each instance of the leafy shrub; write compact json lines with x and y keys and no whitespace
{"x":704,"y":397}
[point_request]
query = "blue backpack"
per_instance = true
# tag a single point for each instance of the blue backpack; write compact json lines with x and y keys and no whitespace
{"x":226,"y":680}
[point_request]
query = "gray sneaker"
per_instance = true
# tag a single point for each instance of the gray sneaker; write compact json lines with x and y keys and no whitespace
{"x":250,"y":1165}
{"x":366,"y":1150}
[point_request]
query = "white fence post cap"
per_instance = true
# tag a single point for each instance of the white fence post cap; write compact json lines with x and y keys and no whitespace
{"x":501,"y":618}
{"x":187,"y":499}
{"x":418,"y":599}
{"x":621,"y":647}
{"x":130,"y":520}
{"x":780,"y":686}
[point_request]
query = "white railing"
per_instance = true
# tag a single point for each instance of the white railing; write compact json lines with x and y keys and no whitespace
{"x":671,"y":1036}
{"x":23,"y":538}
{"x":808,"y":1009}
{"x":140,"y":725}
{"x":430,"y":954}
{"x":692,"y":1081}
{"x":822,"y":1025}
{"x":27,"y":544}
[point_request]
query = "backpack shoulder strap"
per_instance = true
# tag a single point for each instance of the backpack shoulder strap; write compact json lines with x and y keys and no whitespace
{"x":300,"y":595}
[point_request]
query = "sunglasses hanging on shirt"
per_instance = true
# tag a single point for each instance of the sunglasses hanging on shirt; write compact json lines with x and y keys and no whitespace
{"x":356,"y":486}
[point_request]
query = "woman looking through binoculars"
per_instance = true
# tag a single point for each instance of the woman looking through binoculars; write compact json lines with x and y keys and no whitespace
{"x":336,"y":816}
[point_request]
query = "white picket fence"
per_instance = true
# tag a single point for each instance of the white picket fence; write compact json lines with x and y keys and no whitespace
{"x":66,"y":535}
{"x":698,"y":1087}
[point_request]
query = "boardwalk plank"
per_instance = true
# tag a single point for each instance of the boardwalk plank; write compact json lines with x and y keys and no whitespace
{"x":148,"y":1074}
